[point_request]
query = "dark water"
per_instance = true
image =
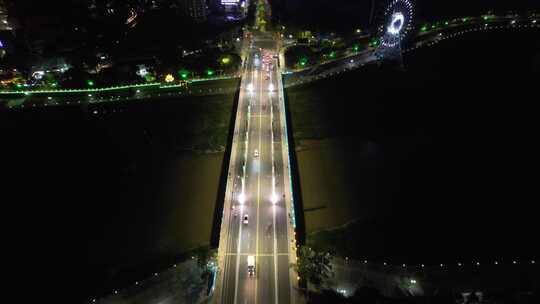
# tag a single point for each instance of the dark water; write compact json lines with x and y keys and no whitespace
{"x":444,"y":154}
{"x":83,"y":196}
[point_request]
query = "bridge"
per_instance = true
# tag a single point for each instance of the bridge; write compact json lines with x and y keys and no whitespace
{"x":258,"y":219}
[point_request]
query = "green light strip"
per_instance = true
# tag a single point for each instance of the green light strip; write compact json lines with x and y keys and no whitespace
{"x":115,"y":88}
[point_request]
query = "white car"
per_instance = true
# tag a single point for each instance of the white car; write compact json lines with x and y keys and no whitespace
{"x":245,"y":219}
{"x":251,"y":265}
{"x":256,"y":153}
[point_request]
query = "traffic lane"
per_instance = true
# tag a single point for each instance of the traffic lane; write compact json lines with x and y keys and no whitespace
{"x":266,"y":284}
{"x":233,"y":230}
{"x":250,"y":240}
{"x":229,"y":279}
{"x":284,"y":285}
{"x":246,"y":237}
{"x":247,"y":288}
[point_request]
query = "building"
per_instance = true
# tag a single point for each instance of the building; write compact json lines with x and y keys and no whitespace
{"x":197,"y":10}
{"x":7,"y":22}
{"x":233,"y":9}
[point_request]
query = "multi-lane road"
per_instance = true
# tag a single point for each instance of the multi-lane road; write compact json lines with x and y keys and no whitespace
{"x":259,"y":188}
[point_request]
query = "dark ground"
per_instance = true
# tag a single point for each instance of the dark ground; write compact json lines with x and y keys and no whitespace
{"x":441,"y":158}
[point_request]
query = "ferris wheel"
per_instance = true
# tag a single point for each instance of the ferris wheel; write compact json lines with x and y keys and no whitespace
{"x":397,"y":22}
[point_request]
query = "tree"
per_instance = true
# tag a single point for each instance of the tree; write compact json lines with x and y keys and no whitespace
{"x":313,"y":267}
{"x":206,"y":260}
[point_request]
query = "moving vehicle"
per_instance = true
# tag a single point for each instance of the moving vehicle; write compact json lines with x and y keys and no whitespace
{"x":245,"y":220}
{"x":251,"y":265}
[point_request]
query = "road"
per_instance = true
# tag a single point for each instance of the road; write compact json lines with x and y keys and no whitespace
{"x":259,"y":187}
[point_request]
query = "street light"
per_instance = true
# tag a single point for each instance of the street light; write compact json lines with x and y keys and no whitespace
{"x":169,"y":78}
{"x":225,"y":60}
{"x":184,"y":74}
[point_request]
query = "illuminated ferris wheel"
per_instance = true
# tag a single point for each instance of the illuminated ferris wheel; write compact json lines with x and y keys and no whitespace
{"x":397,"y":22}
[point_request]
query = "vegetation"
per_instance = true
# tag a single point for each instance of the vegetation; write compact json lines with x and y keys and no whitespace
{"x":313,"y":267}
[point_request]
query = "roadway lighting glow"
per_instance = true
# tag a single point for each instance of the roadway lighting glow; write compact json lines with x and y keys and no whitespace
{"x":225,"y":60}
{"x":250,"y":88}
{"x":358,"y":31}
{"x":271,"y":87}
{"x":274,"y":198}
{"x":241,"y":198}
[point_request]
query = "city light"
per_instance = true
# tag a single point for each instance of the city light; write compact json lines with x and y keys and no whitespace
{"x":209,"y":72}
{"x":274,"y":198}
{"x":241,"y":198}
{"x":184,"y":74}
{"x":225,"y":60}
{"x":169,"y":78}
{"x":396,"y":24}
{"x":90,"y":83}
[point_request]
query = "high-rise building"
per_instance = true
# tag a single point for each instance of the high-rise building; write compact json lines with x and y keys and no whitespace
{"x":196,"y":9}
{"x":7,"y":22}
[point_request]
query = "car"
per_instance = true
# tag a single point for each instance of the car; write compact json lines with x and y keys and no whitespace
{"x":251,"y":265}
{"x":245,"y":219}
{"x":256,"y":153}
